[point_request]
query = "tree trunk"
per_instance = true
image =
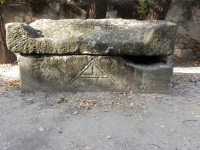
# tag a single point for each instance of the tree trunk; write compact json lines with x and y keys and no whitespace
{"x":158,"y":9}
{"x":97,"y":9}
{"x":6,"y":56}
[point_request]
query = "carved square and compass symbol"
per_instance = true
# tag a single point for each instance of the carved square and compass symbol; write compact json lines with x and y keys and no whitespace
{"x":95,"y":74}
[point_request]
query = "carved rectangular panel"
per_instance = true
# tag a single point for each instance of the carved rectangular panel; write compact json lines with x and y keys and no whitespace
{"x":77,"y":73}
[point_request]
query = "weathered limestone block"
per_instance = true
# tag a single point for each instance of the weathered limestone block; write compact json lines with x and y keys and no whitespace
{"x":96,"y":37}
{"x":94,"y":55}
{"x":95,"y":73}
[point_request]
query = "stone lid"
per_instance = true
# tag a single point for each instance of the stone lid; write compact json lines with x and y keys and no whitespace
{"x":92,"y":36}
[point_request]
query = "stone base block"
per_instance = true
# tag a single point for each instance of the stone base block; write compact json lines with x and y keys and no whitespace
{"x":84,"y":73}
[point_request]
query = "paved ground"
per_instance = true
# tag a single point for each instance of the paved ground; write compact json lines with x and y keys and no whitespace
{"x":101,"y":121}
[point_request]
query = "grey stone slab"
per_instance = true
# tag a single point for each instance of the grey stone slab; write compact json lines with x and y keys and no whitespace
{"x":95,"y":73}
{"x":96,"y":37}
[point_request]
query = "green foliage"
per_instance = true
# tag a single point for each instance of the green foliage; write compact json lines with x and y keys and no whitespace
{"x":143,"y":8}
{"x":2,"y":1}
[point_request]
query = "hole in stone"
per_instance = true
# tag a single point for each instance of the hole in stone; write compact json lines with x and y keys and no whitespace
{"x":34,"y":48}
{"x":145,"y":60}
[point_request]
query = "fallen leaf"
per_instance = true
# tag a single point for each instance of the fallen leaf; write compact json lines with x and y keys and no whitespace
{"x":108,"y":137}
{"x":76,"y":112}
{"x":14,"y":83}
{"x":159,"y":98}
{"x":82,"y":112}
{"x":5,"y":89}
{"x":62,"y":99}
{"x":130,"y":97}
{"x":117,"y":103}
{"x":51,"y":104}
{"x":171,"y":132}
{"x":144,"y":115}
{"x":68,"y":115}
{"x":29,"y":101}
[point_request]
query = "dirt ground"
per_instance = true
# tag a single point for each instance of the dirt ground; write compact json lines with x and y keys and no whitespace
{"x":101,"y":121}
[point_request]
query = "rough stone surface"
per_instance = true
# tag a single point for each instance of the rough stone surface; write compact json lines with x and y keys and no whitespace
{"x":95,"y":73}
{"x":97,"y":37}
{"x":186,"y":48}
{"x":186,"y":54}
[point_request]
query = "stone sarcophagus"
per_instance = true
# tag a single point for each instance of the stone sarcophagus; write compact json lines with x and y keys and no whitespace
{"x":94,"y":55}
